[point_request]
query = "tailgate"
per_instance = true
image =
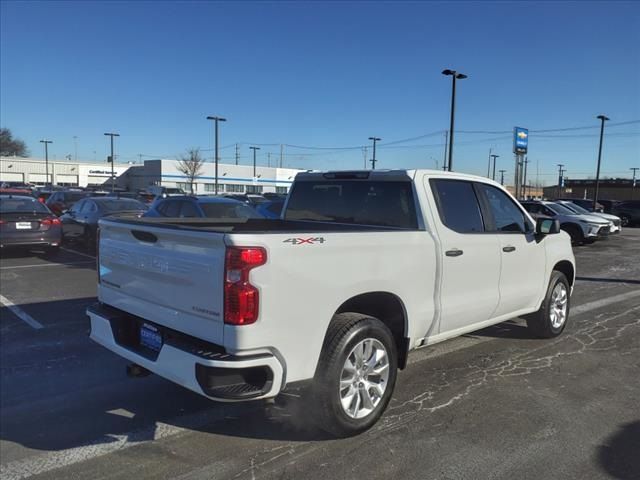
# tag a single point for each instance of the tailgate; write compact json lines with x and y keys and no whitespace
{"x":166,"y":275}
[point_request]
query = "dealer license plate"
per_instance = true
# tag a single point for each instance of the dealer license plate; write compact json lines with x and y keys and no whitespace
{"x":150,"y":337}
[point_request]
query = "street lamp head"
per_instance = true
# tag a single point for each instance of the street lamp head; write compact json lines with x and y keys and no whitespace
{"x":448,"y":72}
{"x":604,"y":118}
{"x":461,"y":76}
{"x":219,"y":119}
{"x":112,"y":134}
{"x":375,"y":139}
{"x":46,"y":141}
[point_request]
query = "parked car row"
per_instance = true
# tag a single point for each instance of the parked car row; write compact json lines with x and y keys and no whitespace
{"x":582,"y":225}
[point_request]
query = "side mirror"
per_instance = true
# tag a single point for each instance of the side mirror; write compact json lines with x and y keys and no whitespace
{"x":547,"y":226}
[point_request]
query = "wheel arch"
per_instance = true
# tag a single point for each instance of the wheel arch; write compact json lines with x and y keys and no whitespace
{"x":390,"y":310}
{"x":567,"y":268}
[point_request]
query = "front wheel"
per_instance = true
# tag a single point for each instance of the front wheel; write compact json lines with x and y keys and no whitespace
{"x":356,"y":374}
{"x":550,"y":320}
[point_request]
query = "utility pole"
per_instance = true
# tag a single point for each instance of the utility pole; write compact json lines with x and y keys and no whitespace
{"x":502,"y":177}
{"x":268,"y":159}
{"x":493,"y":175}
{"x":633,"y":184}
{"x":75,"y":147}
{"x":603,"y":118}
{"x":365,"y":154}
{"x":560,"y":179}
{"x":281,"y":154}
{"x":46,"y":160}
{"x":237,"y":154}
{"x":112,"y":160}
{"x":373,"y":161}
{"x":489,"y":164}
{"x":524,"y":180}
{"x":217,"y":158}
{"x":454,"y":76}
{"x":254,"y":159}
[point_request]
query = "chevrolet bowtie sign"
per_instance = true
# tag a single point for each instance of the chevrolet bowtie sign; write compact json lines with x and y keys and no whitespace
{"x":520,"y":140}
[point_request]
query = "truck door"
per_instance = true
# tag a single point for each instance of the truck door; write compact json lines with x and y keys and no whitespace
{"x":470,"y":257}
{"x":522,"y":275}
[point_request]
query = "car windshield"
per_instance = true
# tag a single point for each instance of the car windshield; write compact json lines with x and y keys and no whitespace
{"x":576,"y":208}
{"x":228,"y":210}
{"x":121,"y":205}
{"x":560,"y":209}
{"x":21,"y":205}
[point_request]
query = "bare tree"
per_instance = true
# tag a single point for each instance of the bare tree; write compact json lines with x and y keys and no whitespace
{"x":11,"y":147}
{"x":190,"y":165}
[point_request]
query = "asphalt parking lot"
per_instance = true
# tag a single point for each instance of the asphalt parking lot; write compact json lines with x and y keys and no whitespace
{"x":497,"y":404}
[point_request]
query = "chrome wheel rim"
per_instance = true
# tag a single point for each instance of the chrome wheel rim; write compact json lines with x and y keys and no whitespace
{"x":559,"y":302}
{"x":364,"y":378}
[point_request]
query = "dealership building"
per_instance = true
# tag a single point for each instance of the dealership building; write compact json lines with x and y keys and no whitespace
{"x":134,"y":177}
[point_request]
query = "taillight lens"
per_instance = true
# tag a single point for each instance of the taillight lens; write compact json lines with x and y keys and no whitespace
{"x":241,"y":299}
{"x":48,"y":222}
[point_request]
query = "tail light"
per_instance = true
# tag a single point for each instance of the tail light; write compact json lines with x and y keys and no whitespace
{"x":241,"y":299}
{"x":41,"y":199}
{"x":48,"y":222}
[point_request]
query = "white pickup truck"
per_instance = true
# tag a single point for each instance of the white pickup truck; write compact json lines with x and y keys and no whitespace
{"x":362,"y":268}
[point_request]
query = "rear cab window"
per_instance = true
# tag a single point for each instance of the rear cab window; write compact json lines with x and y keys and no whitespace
{"x":373,"y":203}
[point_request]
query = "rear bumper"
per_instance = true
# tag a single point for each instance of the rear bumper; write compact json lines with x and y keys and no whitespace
{"x":199,"y":366}
{"x":50,"y":237}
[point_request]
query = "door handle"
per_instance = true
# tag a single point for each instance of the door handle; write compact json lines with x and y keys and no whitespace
{"x":453,"y":253}
{"x":508,"y":249}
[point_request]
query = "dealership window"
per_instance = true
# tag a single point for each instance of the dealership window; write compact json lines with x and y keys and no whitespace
{"x":232,"y":187}
{"x":254,"y":188}
{"x":210,"y":187}
{"x":185,"y":187}
{"x":282,"y":189}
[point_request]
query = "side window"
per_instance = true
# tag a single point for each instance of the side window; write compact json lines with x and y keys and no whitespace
{"x":457,"y":205}
{"x":506,"y":215}
{"x":89,"y":206}
{"x":172,"y":208}
{"x":548,"y":212}
{"x":189,"y":210}
{"x":77,"y":206}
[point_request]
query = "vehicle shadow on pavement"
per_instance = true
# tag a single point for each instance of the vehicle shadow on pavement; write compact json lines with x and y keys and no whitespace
{"x":510,"y":329}
{"x":619,"y":456}
{"x":608,"y":280}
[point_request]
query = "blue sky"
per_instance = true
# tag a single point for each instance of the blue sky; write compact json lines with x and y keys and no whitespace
{"x":326,"y":74}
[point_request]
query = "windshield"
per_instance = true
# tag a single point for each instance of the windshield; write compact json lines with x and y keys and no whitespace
{"x":388,"y":204}
{"x":121,"y":205}
{"x":21,"y":205}
{"x":576,"y":208}
{"x":228,"y":211}
{"x":560,"y":209}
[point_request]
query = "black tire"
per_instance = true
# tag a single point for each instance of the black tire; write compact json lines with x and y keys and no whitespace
{"x":574,"y":231}
{"x":624,"y":221}
{"x":345,"y":332}
{"x":51,"y":251}
{"x":540,"y":323}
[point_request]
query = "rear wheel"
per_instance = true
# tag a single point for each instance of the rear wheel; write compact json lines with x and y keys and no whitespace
{"x":624,"y":220}
{"x":356,"y":374}
{"x":550,"y":320}
{"x":574,"y":231}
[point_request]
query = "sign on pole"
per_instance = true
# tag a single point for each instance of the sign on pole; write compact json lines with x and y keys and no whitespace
{"x":520,"y":140}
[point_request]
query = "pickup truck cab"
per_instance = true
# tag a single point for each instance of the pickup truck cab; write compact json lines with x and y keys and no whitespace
{"x":361,"y":268}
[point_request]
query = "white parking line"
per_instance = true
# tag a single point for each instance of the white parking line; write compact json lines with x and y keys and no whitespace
{"x":36,"y":265}
{"x":587,"y":307}
{"x":21,"y":314}
{"x":76,"y":252}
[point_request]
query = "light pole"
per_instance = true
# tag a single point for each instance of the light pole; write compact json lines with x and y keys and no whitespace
{"x":494,"y":156}
{"x":46,"y":160}
{"x":75,"y":147}
{"x":216,"y":120}
{"x":112,"y":160}
{"x":524,"y":181}
{"x":455,"y":76}
{"x":502,"y":177}
{"x":633,"y":183}
{"x":254,"y":159}
{"x":373,"y":161}
{"x":603,"y":119}
{"x":560,"y":173}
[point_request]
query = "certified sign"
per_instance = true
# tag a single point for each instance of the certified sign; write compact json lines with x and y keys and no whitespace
{"x":520,"y":140}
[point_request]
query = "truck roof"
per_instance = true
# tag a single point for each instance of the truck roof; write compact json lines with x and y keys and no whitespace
{"x":387,"y":175}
